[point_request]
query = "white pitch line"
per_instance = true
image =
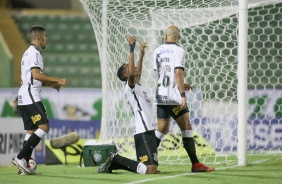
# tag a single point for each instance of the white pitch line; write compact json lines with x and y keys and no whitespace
{"x":161,"y":178}
{"x":259,"y":161}
{"x":174,"y":176}
{"x":255,"y":162}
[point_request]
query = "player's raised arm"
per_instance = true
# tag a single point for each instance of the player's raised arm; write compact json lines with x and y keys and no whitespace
{"x":131,"y":65}
{"x":140,"y":61}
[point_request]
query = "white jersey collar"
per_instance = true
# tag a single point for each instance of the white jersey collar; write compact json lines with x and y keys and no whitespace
{"x":35,"y":47}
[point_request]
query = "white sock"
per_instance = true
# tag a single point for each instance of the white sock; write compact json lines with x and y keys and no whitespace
{"x":141,"y":168}
{"x":27,"y":136}
{"x":40,"y":133}
{"x":187,"y":133}
{"x":159,"y":135}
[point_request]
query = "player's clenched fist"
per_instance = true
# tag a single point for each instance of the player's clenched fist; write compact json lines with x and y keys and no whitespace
{"x":131,"y":39}
{"x":62,"y":82}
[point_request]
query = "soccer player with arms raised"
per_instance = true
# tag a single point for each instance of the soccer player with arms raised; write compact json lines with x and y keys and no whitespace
{"x":169,"y":62}
{"x":30,"y":106}
{"x":145,"y":124}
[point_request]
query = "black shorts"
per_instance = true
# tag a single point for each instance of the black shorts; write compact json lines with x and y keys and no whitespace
{"x":166,"y":111}
{"x":146,"y":148}
{"x":33,"y":115}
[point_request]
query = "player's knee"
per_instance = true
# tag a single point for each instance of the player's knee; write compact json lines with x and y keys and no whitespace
{"x":163,"y":130}
{"x":44,"y":127}
{"x":30,"y":132}
{"x":184,"y":123}
{"x":163,"y":125}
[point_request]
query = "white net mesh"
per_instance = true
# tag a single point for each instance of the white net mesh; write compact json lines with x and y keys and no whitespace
{"x":209,"y":35}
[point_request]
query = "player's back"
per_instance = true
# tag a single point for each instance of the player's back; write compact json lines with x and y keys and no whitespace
{"x":167,"y":58}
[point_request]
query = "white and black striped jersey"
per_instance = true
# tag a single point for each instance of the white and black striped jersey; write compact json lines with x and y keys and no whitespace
{"x":30,"y":89}
{"x":167,"y":58}
{"x":141,"y":107}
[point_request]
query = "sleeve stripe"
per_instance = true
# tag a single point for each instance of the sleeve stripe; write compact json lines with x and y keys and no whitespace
{"x":35,"y":67}
{"x":179,"y":68}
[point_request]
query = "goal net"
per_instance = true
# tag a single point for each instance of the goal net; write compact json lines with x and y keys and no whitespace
{"x":209,"y":35}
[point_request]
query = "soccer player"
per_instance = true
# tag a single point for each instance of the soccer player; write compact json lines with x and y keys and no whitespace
{"x":30,"y":106}
{"x":169,"y":62}
{"x":145,"y":124}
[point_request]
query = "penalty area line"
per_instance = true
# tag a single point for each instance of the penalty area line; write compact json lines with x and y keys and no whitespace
{"x":174,"y":176}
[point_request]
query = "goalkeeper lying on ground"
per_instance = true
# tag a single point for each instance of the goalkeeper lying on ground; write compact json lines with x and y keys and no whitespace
{"x":145,"y":123}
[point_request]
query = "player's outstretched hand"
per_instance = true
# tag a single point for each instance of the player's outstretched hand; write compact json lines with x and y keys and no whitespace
{"x":183,"y":103}
{"x":188,"y":87}
{"x":56,"y":86}
{"x":143,"y":46}
{"x":62,"y":82}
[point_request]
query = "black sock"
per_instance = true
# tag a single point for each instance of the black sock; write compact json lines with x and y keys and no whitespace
{"x":24,"y":143}
{"x":28,"y":147}
{"x":28,"y":155}
{"x":120,"y":162}
{"x":190,"y":148}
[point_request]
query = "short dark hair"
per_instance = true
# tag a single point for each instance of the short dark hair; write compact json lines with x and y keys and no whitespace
{"x":34,"y":30}
{"x":120,"y":73}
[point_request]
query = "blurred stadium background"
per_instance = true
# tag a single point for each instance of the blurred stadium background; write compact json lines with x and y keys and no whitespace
{"x":71,"y":45}
{"x":71,"y":53}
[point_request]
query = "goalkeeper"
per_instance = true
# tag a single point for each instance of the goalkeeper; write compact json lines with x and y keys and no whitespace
{"x":145,"y":125}
{"x":169,"y":62}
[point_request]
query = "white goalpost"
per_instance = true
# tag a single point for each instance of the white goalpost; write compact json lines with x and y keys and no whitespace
{"x":242,"y":82}
{"x":232,"y":63}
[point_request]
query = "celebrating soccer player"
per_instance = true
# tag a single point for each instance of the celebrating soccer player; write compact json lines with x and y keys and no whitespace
{"x":169,"y":62}
{"x":145,"y":124}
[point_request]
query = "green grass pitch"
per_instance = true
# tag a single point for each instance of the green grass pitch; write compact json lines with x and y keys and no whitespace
{"x":263,"y":169}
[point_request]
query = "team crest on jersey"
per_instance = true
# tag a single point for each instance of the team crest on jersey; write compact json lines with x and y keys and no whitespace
{"x":176,"y":110}
{"x":36,"y":118}
{"x":143,"y":158}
